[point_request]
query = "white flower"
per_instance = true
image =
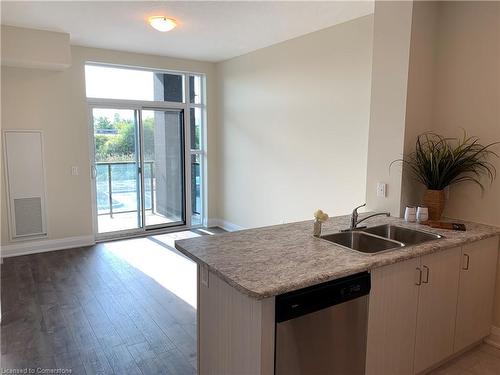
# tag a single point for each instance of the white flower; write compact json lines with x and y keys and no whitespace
{"x":321,"y":216}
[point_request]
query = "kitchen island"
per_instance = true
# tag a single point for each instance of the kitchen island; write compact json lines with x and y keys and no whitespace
{"x":241,"y":273}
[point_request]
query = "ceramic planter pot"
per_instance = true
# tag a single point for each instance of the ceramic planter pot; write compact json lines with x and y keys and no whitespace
{"x":435,"y":200}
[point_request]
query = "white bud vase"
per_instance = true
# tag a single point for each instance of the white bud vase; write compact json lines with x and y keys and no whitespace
{"x":317,"y":228}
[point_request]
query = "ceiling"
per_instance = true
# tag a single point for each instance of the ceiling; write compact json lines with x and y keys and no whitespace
{"x":207,"y":30}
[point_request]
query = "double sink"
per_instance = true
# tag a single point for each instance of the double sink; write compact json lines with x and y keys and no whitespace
{"x":380,"y":238}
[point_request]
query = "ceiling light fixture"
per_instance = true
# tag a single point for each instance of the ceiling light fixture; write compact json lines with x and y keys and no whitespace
{"x":162,"y":23}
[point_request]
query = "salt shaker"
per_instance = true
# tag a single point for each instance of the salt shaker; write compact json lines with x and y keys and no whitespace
{"x":422,"y":214}
{"x":410,"y":214}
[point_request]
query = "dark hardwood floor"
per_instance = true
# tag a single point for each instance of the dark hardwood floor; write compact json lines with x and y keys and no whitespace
{"x":121,"y":307}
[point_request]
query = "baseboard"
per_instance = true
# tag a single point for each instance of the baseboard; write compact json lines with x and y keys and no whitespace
{"x":494,"y":338}
{"x":40,"y":246}
{"x":230,"y":227}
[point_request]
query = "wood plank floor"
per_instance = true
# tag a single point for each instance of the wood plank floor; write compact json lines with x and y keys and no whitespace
{"x":121,"y":307}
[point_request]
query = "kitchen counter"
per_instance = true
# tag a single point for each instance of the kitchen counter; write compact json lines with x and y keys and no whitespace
{"x":268,"y":261}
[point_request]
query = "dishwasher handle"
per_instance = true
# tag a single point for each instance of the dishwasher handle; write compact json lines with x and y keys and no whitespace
{"x":308,"y":300}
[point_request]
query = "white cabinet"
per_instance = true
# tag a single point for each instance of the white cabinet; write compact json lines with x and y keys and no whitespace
{"x":437,"y":306}
{"x":424,"y":310}
{"x":475,"y":296}
{"x":391,"y":319}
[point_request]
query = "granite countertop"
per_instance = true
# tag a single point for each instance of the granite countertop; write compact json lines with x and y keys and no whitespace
{"x":268,"y":261}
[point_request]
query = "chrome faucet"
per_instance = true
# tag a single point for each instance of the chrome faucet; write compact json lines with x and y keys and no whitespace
{"x":354,"y":218}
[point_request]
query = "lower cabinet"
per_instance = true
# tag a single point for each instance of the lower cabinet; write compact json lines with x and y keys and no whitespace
{"x":437,"y":308}
{"x":425,"y":309}
{"x":475,"y":302}
{"x":391,"y":319}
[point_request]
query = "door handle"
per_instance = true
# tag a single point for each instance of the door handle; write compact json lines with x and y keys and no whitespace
{"x":467,"y":260}
{"x":419,"y":282}
{"x":427,"y":271}
{"x":93,"y":171}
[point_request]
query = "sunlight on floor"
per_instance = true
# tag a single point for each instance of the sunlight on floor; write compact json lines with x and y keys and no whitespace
{"x":170,"y":238}
{"x":206,"y":231}
{"x":168,"y":268}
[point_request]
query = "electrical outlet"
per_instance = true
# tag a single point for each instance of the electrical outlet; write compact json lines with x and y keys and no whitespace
{"x":381,"y":189}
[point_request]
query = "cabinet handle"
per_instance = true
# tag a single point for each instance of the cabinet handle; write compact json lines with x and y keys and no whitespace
{"x":419,"y":282}
{"x":467,"y":259}
{"x":427,"y":272}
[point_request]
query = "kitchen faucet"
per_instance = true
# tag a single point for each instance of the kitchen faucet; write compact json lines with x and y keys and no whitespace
{"x":354,"y":218}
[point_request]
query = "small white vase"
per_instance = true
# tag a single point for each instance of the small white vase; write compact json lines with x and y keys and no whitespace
{"x":317,"y":228}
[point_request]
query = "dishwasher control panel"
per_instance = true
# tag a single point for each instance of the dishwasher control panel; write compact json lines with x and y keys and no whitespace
{"x":308,"y":300}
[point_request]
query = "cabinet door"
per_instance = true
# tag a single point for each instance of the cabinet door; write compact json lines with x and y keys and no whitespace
{"x":476,"y":292}
{"x":437,"y":308}
{"x":392,"y":318}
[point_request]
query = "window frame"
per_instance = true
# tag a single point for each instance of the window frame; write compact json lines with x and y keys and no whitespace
{"x":140,"y":105}
{"x":203,"y":146}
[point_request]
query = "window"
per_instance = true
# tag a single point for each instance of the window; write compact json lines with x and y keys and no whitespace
{"x":131,"y":84}
{"x":197,"y":121}
{"x":195,"y":89}
{"x":144,"y":92}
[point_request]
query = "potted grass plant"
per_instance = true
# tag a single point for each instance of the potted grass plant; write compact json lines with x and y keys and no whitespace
{"x":439,"y":162}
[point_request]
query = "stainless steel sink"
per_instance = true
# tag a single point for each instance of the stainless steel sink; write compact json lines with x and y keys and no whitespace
{"x":362,"y":242}
{"x":380,"y":238}
{"x":400,"y":234}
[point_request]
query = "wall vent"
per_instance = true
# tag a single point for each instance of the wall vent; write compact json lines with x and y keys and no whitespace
{"x":28,"y":215}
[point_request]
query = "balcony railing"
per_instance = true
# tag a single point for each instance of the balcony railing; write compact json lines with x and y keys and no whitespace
{"x":120,"y":180}
{"x":117,"y":186}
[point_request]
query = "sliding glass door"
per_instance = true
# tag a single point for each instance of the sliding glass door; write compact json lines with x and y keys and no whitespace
{"x":139,"y":173}
{"x":116,"y":167}
{"x":164,"y":176}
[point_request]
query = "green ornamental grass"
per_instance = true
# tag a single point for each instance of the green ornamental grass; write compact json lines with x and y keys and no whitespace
{"x":438,"y":162}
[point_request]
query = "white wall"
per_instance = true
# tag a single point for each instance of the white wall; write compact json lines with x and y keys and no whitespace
{"x":391,"y":48}
{"x":467,"y":95}
{"x":420,"y":95}
{"x":454,"y":84}
{"x":55,"y":103}
{"x":293,"y":127}
{"x":30,"y":48}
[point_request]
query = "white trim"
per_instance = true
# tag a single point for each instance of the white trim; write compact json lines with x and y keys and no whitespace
{"x":226,"y":225}
{"x":187,"y":153}
{"x":140,"y":67}
{"x":93,"y":167}
{"x":212,"y":223}
{"x":203,"y":151}
{"x":46,"y":245}
{"x":133,"y":104}
{"x":494,"y":338}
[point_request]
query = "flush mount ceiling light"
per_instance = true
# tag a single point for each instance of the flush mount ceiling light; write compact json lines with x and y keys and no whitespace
{"x":162,"y":23}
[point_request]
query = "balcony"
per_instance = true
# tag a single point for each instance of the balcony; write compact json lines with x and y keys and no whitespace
{"x":118,"y":196}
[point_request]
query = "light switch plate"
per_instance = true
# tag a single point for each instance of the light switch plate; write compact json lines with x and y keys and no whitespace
{"x":381,"y":189}
{"x":74,"y":171}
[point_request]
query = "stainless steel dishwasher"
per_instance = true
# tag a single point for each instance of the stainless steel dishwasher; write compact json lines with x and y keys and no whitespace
{"x":322,"y":329}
